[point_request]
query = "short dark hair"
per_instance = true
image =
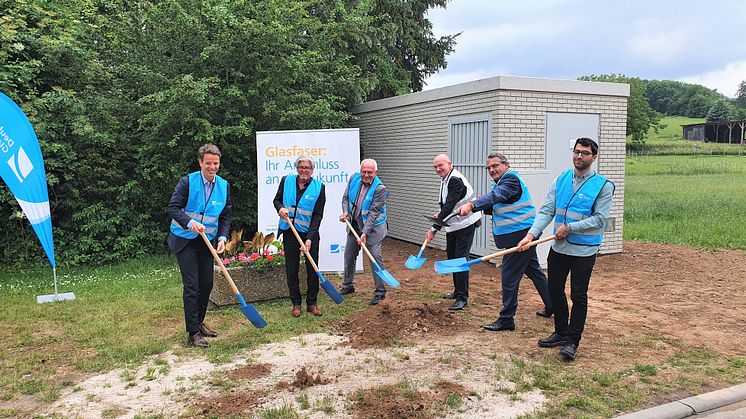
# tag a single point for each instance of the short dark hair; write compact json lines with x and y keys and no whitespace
{"x":587,"y":142}
{"x":208,"y":149}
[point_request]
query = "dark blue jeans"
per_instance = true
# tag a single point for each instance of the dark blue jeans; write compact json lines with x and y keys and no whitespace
{"x":514,"y":266}
{"x":580,"y":269}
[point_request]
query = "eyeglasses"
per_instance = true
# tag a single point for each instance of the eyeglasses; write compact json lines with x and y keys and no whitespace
{"x":585,"y":153}
{"x":304,"y":168}
{"x":494,"y":165}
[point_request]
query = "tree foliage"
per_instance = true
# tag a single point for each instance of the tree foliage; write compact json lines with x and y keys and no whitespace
{"x":641,"y":117}
{"x":121,"y":95}
{"x":741,"y":94}
{"x":682,"y":99}
{"x":720,"y":111}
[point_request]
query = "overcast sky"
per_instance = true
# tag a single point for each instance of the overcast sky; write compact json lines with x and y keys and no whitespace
{"x":700,"y":42}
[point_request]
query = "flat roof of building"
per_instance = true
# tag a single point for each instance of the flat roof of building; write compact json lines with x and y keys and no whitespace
{"x":531,"y":84}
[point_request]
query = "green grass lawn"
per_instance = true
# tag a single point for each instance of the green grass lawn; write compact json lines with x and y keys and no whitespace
{"x":694,"y":200}
{"x":121,"y":315}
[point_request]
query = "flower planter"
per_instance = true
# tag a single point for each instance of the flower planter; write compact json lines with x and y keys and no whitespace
{"x":267,"y":284}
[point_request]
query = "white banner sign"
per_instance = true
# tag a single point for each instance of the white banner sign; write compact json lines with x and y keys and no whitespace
{"x":336,"y":154}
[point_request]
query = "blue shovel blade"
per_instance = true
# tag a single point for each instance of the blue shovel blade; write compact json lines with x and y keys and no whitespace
{"x":387,"y":277}
{"x":413,"y":262}
{"x":251,"y":313}
{"x":452,"y":265}
{"x":329,"y":289}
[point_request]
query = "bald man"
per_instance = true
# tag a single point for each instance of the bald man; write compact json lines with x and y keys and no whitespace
{"x":455,"y":191}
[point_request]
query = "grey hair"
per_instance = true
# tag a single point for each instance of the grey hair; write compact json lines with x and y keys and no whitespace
{"x":375,"y":165}
{"x":306,"y":159}
{"x":502,"y":157}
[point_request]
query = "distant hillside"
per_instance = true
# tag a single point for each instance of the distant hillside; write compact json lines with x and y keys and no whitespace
{"x":671,"y":97}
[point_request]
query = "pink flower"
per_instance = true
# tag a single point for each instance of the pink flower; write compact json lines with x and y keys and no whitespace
{"x":243,"y":258}
{"x":226,"y":262}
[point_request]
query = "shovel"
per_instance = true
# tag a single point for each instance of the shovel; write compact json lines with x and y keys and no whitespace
{"x":326,"y":285}
{"x":248,"y":310}
{"x":384,"y":274}
{"x":462,"y":265}
{"x":416,"y":262}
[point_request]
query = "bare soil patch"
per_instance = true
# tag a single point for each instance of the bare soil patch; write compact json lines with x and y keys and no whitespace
{"x":234,"y":404}
{"x":252,"y":371}
{"x":391,"y":401}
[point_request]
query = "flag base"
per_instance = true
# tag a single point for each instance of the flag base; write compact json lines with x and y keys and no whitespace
{"x":65,"y":296}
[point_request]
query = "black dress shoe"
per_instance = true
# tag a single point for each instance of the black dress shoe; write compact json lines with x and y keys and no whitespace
{"x":345,"y":291}
{"x":376,"y":299}
{"x":198,"y":340}
{"x":458,"y":305}
{"x":569,"y":351}
{"x":207,"y":332}
{"x":555,"y":339}
{"x":546,"y":313}
{"x":497,"y":326}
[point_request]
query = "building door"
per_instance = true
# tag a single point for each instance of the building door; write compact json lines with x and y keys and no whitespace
{"x":469,"y":142}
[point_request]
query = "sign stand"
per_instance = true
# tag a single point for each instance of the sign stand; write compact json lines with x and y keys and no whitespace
{"x":49,"y":298}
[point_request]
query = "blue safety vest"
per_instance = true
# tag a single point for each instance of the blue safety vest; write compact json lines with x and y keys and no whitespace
{"x":206,"y":213}
{"x":352,"y":198}
{"x":302,"y":211}
{"x":509,"y":218}
{"x":571,"y":207}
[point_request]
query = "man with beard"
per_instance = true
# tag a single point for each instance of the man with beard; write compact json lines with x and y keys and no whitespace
{"x":579,"y":201}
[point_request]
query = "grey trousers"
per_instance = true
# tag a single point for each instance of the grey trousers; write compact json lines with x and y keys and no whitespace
{"x":352,"y":249}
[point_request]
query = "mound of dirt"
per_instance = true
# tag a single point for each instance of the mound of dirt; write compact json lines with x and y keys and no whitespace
{"x":252,"y":371}
{"x":379,"y":326}
{"x":303,"y":380}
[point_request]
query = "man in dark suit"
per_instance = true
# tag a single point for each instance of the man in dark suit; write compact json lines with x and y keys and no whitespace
{"x":200,"y":204}
{"x":509,"y":203}
{"x":364,"y":201}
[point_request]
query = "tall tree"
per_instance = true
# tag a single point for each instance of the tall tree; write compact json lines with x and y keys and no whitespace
{"x":741,"y":94}
{"x":641,"y":117}
{"x":719,"y":112}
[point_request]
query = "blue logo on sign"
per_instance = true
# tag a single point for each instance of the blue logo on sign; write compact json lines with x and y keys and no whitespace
{"x":335,"y":248}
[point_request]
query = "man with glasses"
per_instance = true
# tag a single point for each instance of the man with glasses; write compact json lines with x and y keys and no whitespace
{"x":364,"y":204}
{"x":579,"y":201}
{"x":513,"y":213}
{"x":300,"y":200}
{"x":455,"y":190}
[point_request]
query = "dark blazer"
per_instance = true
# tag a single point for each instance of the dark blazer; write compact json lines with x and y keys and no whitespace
{"x":176,"y":211}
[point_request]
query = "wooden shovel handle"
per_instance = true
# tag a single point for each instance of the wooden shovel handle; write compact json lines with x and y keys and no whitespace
{"x":424,"y":244}
{"x":220,"y":263}
{"x":354,"y":233}
{"x":303,"y":247}
{"x":515,"y":249}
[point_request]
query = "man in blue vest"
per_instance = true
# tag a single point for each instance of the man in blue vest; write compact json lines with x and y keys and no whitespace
{"x":579,"y":202}
{"x":300,"y":200}
{"x":513,"y":213}
{"x":201,"y":203}
{"x":455,"y":191}
{"x":364,"y":203}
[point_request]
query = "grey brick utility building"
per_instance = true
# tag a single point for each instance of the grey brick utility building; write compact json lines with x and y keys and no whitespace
{"x":534,"y":122}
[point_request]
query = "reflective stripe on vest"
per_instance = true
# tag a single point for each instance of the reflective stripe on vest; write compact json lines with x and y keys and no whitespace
{"x":208,"y":213}
{"x":519,"y":215}
{"x":367,"y":200}
{"x":577,"y":206}
{"x":302,"y":211}
{"x":458,"y":222}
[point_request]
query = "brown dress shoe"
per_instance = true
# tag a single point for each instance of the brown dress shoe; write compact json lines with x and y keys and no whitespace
{"x":314,"y":309}
{"x":296,"y":311}
{"x":198,"y":340}
{"x":207,"y":332}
